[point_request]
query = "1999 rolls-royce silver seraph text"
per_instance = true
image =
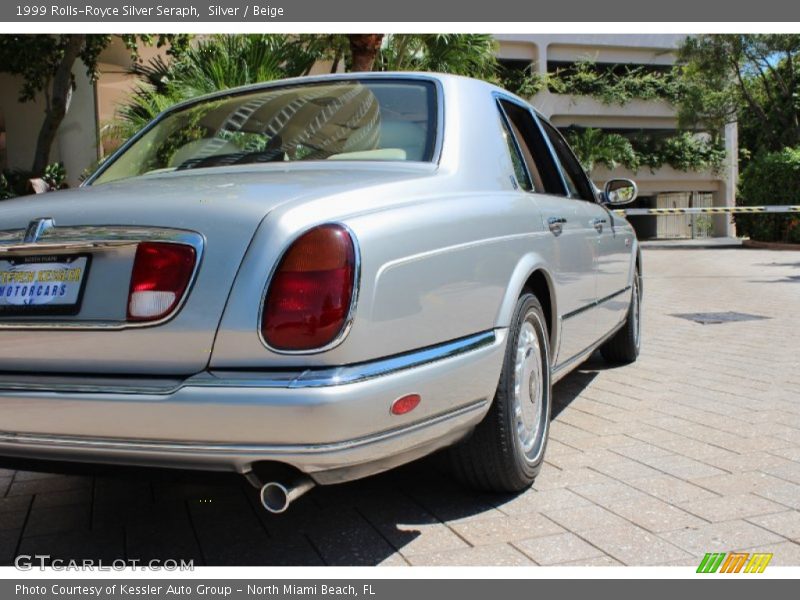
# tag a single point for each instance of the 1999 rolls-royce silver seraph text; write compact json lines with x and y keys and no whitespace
{"x":335,"y":275}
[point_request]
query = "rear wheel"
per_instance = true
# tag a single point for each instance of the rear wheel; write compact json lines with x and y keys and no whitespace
{"x":506,"y":450}
{"x":624,"y":346}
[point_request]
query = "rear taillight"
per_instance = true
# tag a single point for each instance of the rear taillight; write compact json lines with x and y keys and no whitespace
{"x":311,"y":292}
{"x":161,"y":274}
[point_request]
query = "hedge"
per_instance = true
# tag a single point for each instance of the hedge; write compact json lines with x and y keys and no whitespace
{"x":772,"y":178}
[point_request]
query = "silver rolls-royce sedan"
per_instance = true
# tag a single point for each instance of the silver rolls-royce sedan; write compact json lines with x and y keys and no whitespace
{"x":323,"y":277}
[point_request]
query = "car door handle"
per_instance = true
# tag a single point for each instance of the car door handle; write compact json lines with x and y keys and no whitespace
{"x":598,"y":223}
{"x":556,"y":224}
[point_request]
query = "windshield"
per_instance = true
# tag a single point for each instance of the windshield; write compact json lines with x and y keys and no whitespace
{"x":392,"y":120}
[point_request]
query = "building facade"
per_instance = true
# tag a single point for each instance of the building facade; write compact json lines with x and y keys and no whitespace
{"x":81,"y":141}
{"x":664,"y":187}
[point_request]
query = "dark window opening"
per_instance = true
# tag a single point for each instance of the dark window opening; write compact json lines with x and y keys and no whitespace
{"x":534,"y":149}
{"x":630,"y":133}
{"x":509,"y":66}
{"x":570,"y":67}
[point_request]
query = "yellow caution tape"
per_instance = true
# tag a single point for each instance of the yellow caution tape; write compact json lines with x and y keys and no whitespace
{"x":712,"y":210}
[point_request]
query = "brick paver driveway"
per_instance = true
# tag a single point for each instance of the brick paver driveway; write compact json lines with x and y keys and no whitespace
{"x":695,"y":448}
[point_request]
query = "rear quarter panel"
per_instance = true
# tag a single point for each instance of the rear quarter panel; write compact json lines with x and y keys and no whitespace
{"x":441,"y":256}
{"x":432,"y":270}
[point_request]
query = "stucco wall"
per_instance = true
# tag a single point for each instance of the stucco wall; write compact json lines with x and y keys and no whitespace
{"x":76,"y":141}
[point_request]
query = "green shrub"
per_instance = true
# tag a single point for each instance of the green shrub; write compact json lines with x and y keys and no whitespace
{"x":6,"y":191}
{"x":772,"y":178}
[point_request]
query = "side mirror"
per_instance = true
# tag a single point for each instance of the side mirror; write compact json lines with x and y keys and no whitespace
{"x":619,"y":191}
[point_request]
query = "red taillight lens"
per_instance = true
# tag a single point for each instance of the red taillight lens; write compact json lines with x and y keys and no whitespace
{"x":161,"y":274}
{"x":311,"y":291}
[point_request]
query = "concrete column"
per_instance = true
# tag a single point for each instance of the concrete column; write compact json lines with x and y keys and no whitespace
{"x":723,"y":227}
{"x":541,"y":57}
{"x":76,"y":142}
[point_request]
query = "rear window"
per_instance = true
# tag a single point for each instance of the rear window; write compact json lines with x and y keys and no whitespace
{"x":378,"y":120}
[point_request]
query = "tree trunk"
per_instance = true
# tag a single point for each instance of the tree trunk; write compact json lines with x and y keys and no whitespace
{"x":364,"y":49}
{"x":337,"y":57}
{"x":57,"y":107}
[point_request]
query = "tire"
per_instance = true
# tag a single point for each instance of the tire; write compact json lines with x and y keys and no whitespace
{"x":624,"y":346}
{"x":506,"y":450}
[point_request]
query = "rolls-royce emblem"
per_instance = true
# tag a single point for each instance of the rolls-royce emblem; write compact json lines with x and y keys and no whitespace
{"x":37,"y":228}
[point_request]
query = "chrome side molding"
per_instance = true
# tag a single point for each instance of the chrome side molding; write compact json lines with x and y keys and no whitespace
{"x":323,"y":377}
{"x":295,"y":379}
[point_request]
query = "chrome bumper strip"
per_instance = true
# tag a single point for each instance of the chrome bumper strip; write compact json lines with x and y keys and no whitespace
{"x":307,"y":378}
{"x":110,"y":385}
{"x":349,"y":374}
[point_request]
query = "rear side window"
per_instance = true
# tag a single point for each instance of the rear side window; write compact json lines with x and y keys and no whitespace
{"x":577,"y":182}
{"x":520,"y":172}
{"x":533,"y":147}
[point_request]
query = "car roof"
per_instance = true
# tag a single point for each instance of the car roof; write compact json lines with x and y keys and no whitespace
{"x":410,"y":75}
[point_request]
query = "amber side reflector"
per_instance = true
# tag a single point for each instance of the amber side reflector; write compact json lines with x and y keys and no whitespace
{"x":406,"y":404}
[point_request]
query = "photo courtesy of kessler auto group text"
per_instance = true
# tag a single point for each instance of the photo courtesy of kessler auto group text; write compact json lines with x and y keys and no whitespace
{"x":501,"y":299}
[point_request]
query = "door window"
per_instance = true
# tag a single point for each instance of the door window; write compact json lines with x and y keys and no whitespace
{"x":576,"y":180}
{"x":533,"y":148}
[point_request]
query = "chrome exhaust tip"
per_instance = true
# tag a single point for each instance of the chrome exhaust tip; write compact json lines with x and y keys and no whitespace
{"x":276,"y":497}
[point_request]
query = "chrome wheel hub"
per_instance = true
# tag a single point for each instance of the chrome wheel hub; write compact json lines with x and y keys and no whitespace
{"x":528,"y":388}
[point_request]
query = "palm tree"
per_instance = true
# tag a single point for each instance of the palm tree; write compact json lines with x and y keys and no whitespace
{"x":220,"y":62}
{"x":594,"y":146}
{"x":215,"y":63}
{"x":461,"y":54}
{"x":364,"y":48}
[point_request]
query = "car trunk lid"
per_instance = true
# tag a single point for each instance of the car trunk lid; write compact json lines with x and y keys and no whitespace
{"x":97,"y":229}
